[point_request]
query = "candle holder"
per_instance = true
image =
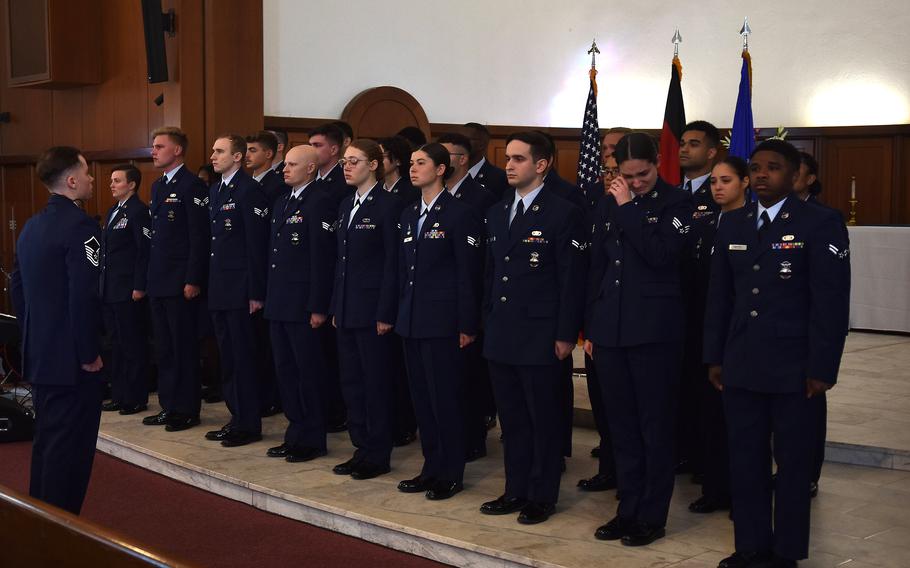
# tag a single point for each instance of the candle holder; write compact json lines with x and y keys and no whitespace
{"x":852,"y":220}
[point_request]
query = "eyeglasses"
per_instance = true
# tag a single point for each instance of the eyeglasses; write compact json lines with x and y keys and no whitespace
{"x":352,"y":161}
{"x":609,"y":171}
{"x":457,"y":154}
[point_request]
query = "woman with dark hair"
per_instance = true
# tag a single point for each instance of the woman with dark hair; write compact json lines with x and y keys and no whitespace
{"x":396,"y":157}
{"x":807,"y":186}
{"x":729,"y":188}
{"x":207,"y":174}
{"x":438,"y":315}
{"x":364,"y":306}
{"x":634,"y":325}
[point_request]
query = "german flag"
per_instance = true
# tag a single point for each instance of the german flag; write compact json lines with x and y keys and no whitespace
{"x":674,"y":122}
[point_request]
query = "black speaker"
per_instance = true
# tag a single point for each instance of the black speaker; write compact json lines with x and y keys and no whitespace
{"x":155,"y":24}
{"x":16,"y":423}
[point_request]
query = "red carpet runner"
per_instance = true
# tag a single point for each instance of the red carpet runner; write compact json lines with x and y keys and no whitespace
{"x":203,"y":528}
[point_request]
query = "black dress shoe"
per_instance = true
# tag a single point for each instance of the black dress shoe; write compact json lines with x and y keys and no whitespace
{"x":336,"y":427}
{"x":176,"y":423}
{"x":503,"y":505}
{"x":709,"y":505}
{"x":595,"y":452}
{"x":345,"y":468}
{"x":615,"y":529}
{"x":235,"y":438}
{"x":813,"y":489}
{"x":534,"y":513}
{"x":404,"y":439}
{"x":218,"y":435}
{"x":281,"y":451}
{"x":643,"y":534}
{"x":367,"y":470}
{"x":600,"y":482}
{"x":443,"y":489}
{"x":159,"y":419}
{"x":417,"y":485}
{"x":110,"y":406}
{"x":133,"y":409}
{"x":270,"y":411}
{"x":475,"y":454}
{"x":298,"y":455}
{"x":746,"y":560}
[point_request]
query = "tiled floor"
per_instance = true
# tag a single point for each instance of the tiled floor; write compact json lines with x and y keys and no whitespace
{"x":861,"y":517}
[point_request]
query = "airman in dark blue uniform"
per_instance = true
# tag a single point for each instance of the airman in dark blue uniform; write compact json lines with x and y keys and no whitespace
{"x":124,"y":272}
{"x":534,"y":275}
{"x":301,"y":264}
{"x":54,"y":288}
{"x":364,"y":308}
{"x":438,"y":315}
{"x":634,"y":326}
{"x":775,"y":328}
{"x":238,"y":214}
{"x":490,"y":177}
{"x":178,"y":261}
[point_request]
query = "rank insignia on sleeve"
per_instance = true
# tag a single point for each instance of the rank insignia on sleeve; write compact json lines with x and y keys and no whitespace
{"x":261,"y":212}
{"x":92,"y":251}
{"x":146,"y":232}
{"x":473,"y":241}
{"x":837,"y":252}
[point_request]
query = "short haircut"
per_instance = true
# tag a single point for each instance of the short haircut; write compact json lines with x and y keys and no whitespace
{"x":176,"y":135}
{"x":456,"y":139}
{"x":331,"y":133}
{"x":617,"y":130}
{"x":740,"y":166}
{"x":541,"y":147}
{"x":372,"y":151}
{"x":266,"y":139}
{"x":238,"y":142}
{"x":439,"y":155}
{"x":477,"y":127}
{"x":399,"y":148}
{"x":811,"y":164}
{"x":132,"y":173}
{"x":712,"y":136}
{"x":345,"y":128}
{"x":413,"y":135}
{"x":781,"y":147}
{"x":282,"y":137}
{"x":55,"y":163}
{"x":636,"y":146}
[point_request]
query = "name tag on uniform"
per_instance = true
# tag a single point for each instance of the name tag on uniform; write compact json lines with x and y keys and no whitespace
{"x":172,"y":200}
{"x":738,"y":247}
{"x":364,"y":226}
{"x":407,"y":239}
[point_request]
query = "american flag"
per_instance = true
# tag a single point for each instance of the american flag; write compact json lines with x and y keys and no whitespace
{"x":589,"y":157}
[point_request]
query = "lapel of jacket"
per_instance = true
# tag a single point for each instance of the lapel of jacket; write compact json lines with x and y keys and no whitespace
{"x":779,"y":225}
{"x":521,"y":224}
{"x":434,"y":213}
{"x":499,"y":228}
{"x":364,"y":209}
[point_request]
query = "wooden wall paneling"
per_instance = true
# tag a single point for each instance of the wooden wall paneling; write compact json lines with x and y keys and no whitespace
{"x":233,"y":67}
{"x":67,"y":118}
{"x":20,"y":202}
{"x":870,"y":160}
{"x":130,"y":109}
{"x":383,"y":111}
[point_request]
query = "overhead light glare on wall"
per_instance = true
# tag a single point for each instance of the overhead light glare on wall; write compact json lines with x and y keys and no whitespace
{"x":857,"y":101}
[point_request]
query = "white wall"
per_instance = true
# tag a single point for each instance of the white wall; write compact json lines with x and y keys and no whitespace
{"x":815,"y":62}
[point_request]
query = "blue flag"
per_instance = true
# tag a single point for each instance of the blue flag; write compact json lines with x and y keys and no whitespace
{"x":742,"y":139}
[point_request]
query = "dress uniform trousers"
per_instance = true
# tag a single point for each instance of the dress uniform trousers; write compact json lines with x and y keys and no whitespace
{"x":791,"y":419}
{"x":821,"y":431}
{"x":174,"y":321}
{"x":531,"y":419}
{"x":405,"y":420}
{"x":567,"y":399}
{"x":265,"y":365}
{"x":237,"y":344}
{"x":713,"y":435}
{"x":639,"y":385}
{"x":64,"y":447}
{"x":436,"y":377}
{"x":477,"y":395}
{"x":333,"y":399}
{"x":126,"y":323}
{"x":606,"y":465}
{"x":301,"y":371}
{"x":368,"y":386}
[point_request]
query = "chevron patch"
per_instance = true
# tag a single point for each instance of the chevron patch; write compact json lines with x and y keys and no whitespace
{"x":261,"y":212}
{"x":201,"y":202}
{"x":473,"y":241}
{"x":93,"y":251}
{"x":146,"y":232}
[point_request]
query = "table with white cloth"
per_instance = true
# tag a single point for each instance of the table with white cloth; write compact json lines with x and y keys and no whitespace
{"x":880,"y":286}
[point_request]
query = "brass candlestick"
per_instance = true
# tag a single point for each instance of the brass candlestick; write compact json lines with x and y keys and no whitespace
{"x":852,"y":220}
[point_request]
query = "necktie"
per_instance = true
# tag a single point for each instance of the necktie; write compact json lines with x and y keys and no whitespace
{"x":765,"y":224}
{"x":353,"y":210}
{"x":689,"y":186}
{"x":114,"y":214}
{"x":519,"y":211}
{"x":420,"y":220}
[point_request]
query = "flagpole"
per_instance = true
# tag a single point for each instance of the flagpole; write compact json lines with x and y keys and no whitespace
{"x":593,"y":72}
